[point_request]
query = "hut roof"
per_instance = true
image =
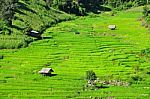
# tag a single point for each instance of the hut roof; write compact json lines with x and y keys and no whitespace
{"x":34,"y":31}
{"x":34,"y":34}
{"x":111,"y":26}
{"x":45,"y":70}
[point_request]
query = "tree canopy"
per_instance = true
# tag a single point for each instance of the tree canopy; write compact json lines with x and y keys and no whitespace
{"x":7,"y":10}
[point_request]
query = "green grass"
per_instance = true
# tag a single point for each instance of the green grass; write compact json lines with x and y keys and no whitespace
{"x":112,"y":55}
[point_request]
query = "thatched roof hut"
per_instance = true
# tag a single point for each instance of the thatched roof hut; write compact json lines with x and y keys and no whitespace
{"x":112,"y":27}
{"x":46,"y":71}
{"x":34,"y":34}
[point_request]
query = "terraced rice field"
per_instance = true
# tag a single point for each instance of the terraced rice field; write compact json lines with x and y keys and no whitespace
{"x":112,"y":55}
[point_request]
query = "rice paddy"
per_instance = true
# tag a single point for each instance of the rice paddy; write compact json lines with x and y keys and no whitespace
{"x":74,"y":47}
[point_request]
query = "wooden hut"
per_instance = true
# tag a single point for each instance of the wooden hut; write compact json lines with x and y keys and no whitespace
{"x":34,"y":34}
{"x":46,"y":71}
{"x":112,"y":27}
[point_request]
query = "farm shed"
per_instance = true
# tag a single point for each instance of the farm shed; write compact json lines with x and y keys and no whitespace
{"x":34,"y":34}
{"x":112,"y":27}
{"x":46,"y":71}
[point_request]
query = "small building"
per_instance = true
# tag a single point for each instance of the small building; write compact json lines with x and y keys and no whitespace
{"x":46,"y":71}
{"x":34,"y":34}
{"x":112,"y":27}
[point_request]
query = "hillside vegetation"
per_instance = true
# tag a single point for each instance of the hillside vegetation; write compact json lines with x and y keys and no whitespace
{"x":18,"y":17}
{"x":77,"y":46}
{"x":89,"y":60}
{"x":29,"y":15}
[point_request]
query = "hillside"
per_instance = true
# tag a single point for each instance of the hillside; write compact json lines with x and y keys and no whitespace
{"x":86,"y":43}
{"x":18,"y":17}
{"x":30,"y":14}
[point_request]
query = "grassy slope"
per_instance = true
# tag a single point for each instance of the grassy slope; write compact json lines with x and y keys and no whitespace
{"x":90,"y":50}
{"x":31,"y":14}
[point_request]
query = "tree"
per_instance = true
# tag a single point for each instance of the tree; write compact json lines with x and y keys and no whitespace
{"x":48,"y":3}
{"x":145,"y":11}
{"x":89,"y":4}
{"x":90,"y":75}
{"x":7,"y":10}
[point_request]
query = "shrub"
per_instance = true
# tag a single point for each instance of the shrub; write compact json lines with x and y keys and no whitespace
{"x":141,"y":2}
{"x":72,"y":7}
{"x":4,"y":28}
{"x":136,"y":78}
{"x":28,"y":28}
{"x":90,"y":75}
{"x":136,"y":69}
{"x":145,"y":11}
{"x":147,"y":70}
{"x":113,"y":13}
{"x":145,"y":52}
{"x":28,"y":39}
{"x":1,"y":57}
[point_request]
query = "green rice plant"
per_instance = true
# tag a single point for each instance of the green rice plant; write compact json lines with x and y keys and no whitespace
{"x":110,"y":54}
{"x":14,"y":41}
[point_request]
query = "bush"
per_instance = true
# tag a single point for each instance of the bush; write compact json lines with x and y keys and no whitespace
{"x":136,"y":69}
{"x":72,"y":7}
{"x":113,"y":13}
{"x":147,"y":70}
{"x":145,"y":11}
{"x":145,"y":52}
{"x":141,"y":2}
{"x":136,"y":78}
{"x":28,"y":40}
{"x":90,"y":75}
{"x":1,"y":57}
{"x":4,"y":28}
